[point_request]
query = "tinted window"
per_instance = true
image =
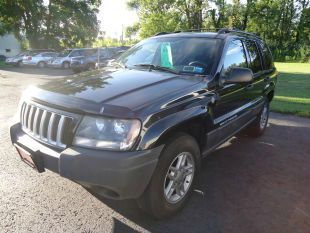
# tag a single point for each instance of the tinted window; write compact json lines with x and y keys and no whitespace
{"x":48,"y":54}
{"x":255,"y":61}
{"x":75,"y":53}
{"x":88,"y":52}
{"x":65,"y":53}
{"x":267,"y":56}
{"x":234,"y":57}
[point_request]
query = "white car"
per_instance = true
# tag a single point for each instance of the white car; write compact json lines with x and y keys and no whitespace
{"x":18,"y":59}
{"x":38,"y":59}
{"x":64,"y":59}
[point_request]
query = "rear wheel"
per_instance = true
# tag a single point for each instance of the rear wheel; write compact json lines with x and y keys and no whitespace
{"x":173,"y":179}
{"x":41,"y":64}
{"x":258,"y":127}
{"x":66,"y":65}
{"x":91,"y":66}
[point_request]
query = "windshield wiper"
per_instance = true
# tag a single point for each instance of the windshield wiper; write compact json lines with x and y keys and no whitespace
{"x":156,"y":67}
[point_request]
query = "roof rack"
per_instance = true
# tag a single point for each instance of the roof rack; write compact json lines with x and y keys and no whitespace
{"x":227,"y":30}
{"x":188,"y":30}
{"x":218,"y":30}
{"x":162,"y":33}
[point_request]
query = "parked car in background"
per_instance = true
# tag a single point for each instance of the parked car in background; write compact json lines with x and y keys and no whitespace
{"x":64,"y":59}
{"x":94,"y":60}
{"x":38,"y":59}
{"x":118,"y":53}
{"x":18,"y":59}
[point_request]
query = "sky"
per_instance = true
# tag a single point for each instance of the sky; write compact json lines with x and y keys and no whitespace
{"x":114,"y":15}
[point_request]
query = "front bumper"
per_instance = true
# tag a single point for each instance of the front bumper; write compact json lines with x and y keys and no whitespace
{"x":14,"y":63}
{"x":116,"y":175}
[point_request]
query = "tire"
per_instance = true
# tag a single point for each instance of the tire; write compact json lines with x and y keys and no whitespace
{"x":91,"y":66}
{"x":66,"y":65}
{"x":41,"y":64}
{"x":156,"y":199}
{"x":257,"y":128}
{"x":19,"y":64}
{"x":76,"y":70}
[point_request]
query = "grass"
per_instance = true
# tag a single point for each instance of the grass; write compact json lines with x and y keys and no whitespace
{"x":2,"y":64}
{"x":293,"y":89}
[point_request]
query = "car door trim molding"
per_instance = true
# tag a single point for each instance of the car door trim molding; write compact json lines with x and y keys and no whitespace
{"x":227,"y":117}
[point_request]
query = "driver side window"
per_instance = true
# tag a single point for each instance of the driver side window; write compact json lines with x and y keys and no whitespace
{"x":234,"y":57}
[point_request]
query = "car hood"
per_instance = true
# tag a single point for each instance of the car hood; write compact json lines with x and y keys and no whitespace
{"x":127,"y":89}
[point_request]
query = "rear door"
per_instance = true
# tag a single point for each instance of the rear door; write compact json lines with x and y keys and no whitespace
{"x":256,"y":65}
{"x":270,"y":74}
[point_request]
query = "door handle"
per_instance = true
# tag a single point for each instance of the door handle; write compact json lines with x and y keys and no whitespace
{"x":249,"y":86}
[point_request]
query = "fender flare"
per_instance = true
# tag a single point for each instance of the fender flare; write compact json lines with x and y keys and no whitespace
{"x":151,"y":135}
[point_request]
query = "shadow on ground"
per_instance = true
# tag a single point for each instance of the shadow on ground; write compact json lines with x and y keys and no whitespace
{"x":249,"y":185}
{"x":37,"y":71}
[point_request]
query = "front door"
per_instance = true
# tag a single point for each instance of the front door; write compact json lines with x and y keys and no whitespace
{"x":228,"y":111}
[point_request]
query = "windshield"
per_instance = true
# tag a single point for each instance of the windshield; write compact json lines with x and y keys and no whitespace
{"x":21,"y":54}
{"x":185,"y":55}
{"x":65,"y":53}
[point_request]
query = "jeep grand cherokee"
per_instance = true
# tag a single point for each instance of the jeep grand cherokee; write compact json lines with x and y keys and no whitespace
{"x":139,"y":130}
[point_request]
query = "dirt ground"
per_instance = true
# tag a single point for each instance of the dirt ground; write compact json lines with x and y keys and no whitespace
{"x":249,"y":185}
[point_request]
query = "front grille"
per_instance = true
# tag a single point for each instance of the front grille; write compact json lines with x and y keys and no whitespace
{"x":45,"y":125}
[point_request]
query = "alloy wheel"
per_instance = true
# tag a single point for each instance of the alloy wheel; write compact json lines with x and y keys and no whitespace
{"x":179,"y":177}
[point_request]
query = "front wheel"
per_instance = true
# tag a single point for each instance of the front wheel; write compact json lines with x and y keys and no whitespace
{"x":19,"y":64}
{"x":173,"y":179}
{"x":257,"y":128}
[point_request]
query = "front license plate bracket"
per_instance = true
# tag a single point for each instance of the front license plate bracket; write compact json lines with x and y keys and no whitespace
{"x":32,"y":159}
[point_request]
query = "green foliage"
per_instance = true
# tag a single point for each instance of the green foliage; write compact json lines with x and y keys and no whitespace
{"x":60,"y":23}
{"x":132,"y":30}
{"x":284,"y":24}
{"x":112,"y":42}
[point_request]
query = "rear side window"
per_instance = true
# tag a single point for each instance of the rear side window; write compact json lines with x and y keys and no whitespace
{"x":234,"y":57}
{"x":267,"y":56}
{"x":88,"y":52}
{"x":255,"y":61}
{"x":75,"y":53}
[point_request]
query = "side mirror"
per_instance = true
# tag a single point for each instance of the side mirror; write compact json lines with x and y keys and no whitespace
{"x":239,"y":75}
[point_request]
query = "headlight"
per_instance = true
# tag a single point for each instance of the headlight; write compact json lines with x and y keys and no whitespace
{"x":107,"y":133}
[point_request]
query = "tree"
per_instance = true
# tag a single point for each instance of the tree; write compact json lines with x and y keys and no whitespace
{"x":132,"y":30}
{"x":168,"y":15}
{"x":59,"y":23}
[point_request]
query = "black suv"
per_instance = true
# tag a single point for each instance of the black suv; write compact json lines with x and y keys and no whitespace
{"x":139,"y":130}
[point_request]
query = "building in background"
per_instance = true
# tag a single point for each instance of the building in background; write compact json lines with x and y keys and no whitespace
{"x":9,"y":45}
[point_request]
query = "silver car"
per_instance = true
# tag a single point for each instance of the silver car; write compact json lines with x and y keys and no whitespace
{"x":64,"y":59}
{"x":38,"y":59}
{"x":18,"y":59}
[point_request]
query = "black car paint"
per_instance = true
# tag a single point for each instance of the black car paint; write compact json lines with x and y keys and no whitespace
{"x":163,"y":102}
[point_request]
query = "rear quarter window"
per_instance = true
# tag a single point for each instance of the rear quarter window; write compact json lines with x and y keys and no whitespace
{"x":255,"y":63}
{"x":268,"y":61}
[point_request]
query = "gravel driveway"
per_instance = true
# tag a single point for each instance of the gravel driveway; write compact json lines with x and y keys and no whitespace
{"x":249,"y":185}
